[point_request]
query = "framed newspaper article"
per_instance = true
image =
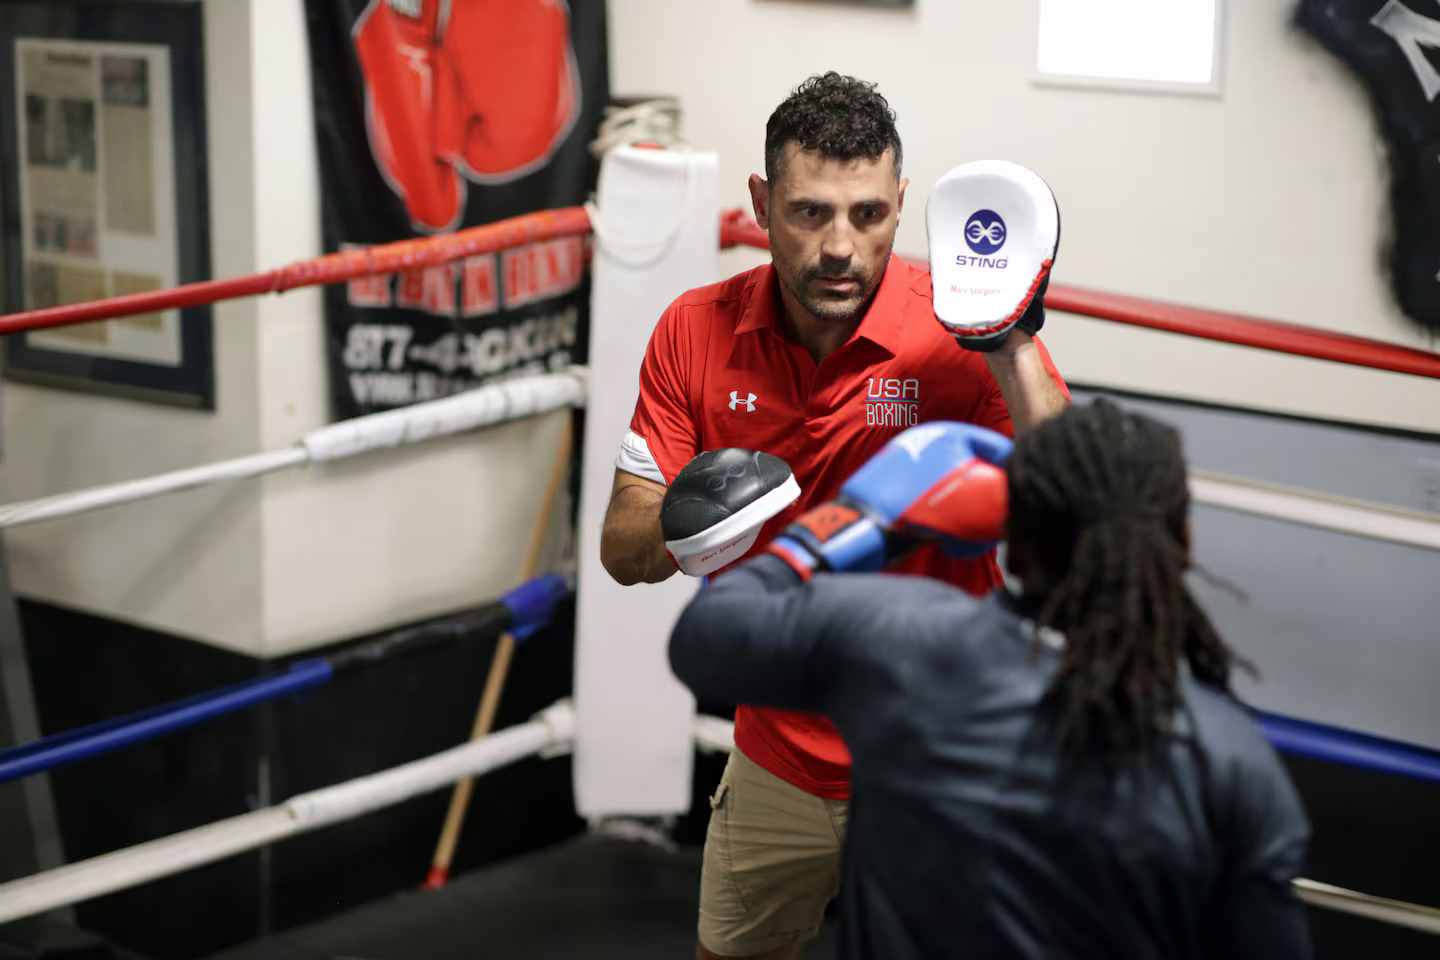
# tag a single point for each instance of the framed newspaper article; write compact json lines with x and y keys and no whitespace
{"x":105,"y":192}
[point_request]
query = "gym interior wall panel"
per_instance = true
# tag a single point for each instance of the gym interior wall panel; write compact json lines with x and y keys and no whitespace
{"x":406,"y":534}
{"x":1268,"y":199}
{"x":189,"y":563}
{"x":1344,"y":630}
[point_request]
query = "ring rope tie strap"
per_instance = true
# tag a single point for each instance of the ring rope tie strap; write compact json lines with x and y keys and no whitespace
{"x":523,"y":611}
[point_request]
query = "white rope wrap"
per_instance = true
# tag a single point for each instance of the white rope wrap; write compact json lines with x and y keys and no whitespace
{"x":149,"y":861}
{"x":482,"y":407}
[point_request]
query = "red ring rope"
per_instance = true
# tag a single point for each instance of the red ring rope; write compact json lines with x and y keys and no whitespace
{"x":737,"y":229}
{"x":331,"y":268}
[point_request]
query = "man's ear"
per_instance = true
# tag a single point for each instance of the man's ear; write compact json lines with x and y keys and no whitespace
{"x":901,"y":205}
{"x":760,"y":200}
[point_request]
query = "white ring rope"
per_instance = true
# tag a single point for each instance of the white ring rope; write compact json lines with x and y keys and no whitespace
{"x":1361,"y":518}
{"x":522,"y":397}
{"x":1396,"y":912}
{"x":144,"y":862}
{"x":553,"y":732}
{"x":485,"y":406}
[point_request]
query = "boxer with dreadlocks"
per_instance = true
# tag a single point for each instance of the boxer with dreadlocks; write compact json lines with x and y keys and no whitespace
{"x":1060,"y":772}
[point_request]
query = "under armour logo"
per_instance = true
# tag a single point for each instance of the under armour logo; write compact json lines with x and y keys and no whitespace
{"x":735,"y":401}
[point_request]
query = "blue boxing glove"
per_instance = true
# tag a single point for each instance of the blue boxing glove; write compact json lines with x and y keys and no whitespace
{"x":939,"y":482}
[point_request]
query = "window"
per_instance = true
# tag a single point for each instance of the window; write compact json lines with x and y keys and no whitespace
{"x":1170,"y":44}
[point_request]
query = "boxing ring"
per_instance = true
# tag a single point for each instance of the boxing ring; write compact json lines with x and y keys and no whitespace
{"x":560,"y":732}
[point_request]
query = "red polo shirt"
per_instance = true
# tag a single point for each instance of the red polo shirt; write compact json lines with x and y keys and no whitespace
{"x":719,"y":372}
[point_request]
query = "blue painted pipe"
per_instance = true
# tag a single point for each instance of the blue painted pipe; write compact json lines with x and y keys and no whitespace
{"x":72,"y":745}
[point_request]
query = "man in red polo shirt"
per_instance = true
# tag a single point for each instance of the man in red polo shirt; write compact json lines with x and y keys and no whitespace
{"x":818,"y":358}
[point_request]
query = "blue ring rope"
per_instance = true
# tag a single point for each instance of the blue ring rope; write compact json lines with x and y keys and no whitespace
{"x":523,"y":610}
{"x":1348,"y":748}
{"x":527,"y":609}
{"x":65,"y":748}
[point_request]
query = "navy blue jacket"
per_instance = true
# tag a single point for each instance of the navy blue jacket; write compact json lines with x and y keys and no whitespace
{"x":964,"y":839}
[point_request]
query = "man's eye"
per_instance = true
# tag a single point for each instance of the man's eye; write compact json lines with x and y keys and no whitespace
{"x":869,"y":214}
{"x":810,"y":212}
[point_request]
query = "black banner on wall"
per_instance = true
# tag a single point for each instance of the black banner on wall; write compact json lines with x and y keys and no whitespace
{"x":432,"y":116}
{"x":1393,"y":46}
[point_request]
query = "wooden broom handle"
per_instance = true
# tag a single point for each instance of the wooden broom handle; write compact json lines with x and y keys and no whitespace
{"x":499,"y":669}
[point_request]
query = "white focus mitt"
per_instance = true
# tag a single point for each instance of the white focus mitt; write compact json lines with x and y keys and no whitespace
{"x":994,"y":230}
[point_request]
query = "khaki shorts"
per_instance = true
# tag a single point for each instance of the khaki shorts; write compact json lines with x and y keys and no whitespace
{"x":772,"y":862}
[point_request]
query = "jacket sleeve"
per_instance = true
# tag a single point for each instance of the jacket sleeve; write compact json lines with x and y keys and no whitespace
{"x":1257,"y":913}
{"x":759,"y":635}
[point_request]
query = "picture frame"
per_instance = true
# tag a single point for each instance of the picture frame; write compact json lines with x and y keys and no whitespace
{"x":104,"y":190}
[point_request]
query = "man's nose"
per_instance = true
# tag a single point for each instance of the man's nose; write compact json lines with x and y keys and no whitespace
{"x":839,"y":243}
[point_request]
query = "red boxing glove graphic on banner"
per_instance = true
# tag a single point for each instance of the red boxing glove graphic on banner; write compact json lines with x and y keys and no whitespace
{"x":516,"y":76}
{"x":487,"y":88}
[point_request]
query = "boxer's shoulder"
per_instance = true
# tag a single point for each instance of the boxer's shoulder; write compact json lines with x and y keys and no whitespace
{"x":1232,"y":738}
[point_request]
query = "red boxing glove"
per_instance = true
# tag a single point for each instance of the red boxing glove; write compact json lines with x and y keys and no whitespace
{"x":405,"y":82}
{"x":515,"y":78}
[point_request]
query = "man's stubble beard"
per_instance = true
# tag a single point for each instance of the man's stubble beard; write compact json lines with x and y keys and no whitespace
{"x":801,"y":284}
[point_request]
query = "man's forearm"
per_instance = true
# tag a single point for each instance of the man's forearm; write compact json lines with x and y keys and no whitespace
{"x":1030,"y":391}
{"x":632,"y":548}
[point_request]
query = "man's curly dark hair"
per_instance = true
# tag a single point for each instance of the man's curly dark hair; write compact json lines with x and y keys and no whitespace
{"x":839,"y":117}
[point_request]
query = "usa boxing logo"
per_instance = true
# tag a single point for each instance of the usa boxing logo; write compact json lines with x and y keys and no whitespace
{"x":985,"y":232}
{"x":482,"y":91}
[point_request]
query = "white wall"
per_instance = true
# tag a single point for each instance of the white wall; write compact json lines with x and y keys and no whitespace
{"x":1268,"y":199}
{"x":187,"y":563}
{"x":277,"y":565}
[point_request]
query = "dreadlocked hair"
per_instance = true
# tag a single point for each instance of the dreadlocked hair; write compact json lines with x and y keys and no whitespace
{"x":1100,"y":496}
{"x":839,"y":117}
